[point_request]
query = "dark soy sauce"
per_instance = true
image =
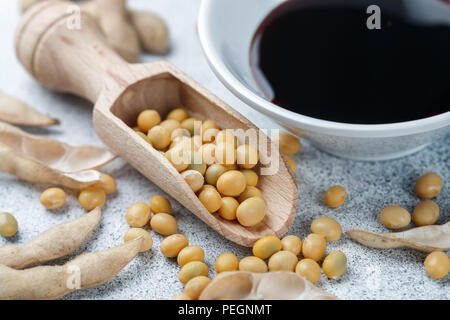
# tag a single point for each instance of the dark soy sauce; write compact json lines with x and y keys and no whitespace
{"x":318,"y":58}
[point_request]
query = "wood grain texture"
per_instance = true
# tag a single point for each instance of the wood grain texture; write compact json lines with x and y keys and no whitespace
{"x":82,"y":63}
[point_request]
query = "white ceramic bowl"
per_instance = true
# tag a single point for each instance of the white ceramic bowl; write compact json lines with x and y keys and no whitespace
{"x":226,"y":29}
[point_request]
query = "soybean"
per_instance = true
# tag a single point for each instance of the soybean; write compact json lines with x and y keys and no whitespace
{"x":135,"y":233}
{"x":395,"y":217}
{"x":164,"y":224}
{"x":191,"y":270}
{"x":195,"y":287}
{"x":160,"y":204}
{"x":283,"y":261}
{"x":91,"y":198}
{"x":211,"y":199}
{"x":253,"y":264}
{"x":314,"y":247}
{"x":194,"y":179}
{"x":267,"y":246}
{"x":190,"y":254}
{"x":178,"y":114}
{"x":428,"y":186}
{"x":8,"y":225}
{"x":251,"y":212}
{"x":335,"y":196}
{"x":250,"y":192}
{"x":228,"y":208}
{"x":247,"y":156}
{"x":251,"y":177}
{"x":287,"y":143}
{"x":172,"y":245}
{"x":53,"y":198}
{"x":437,"y":265}
{"x":147,"y":119}
{"x":213,"y":173}
{"x":308,"y":269}
{"x":107,"y":183}
{"x":426,"y":213}
{"x":138,"y":215}
{"x":159,"y":137}
{"x":227,"y":262}
{"x":335,"y":264}
{"x":327,"y":227}
{"x":292,"y":243}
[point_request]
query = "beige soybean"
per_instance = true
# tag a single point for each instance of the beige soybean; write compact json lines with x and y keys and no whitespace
{"x":428,"y":186}
{"x":226,"y":153}
{"x":170,"y":125}
{"x":211,"y":199}
{"x":197,"y":163}
{"x":266,"y":246}
{"x":210,"y":129}
{"x":135,"y":233}
{"x":53,"y":198}
{"x":160,"y":204}
{"x":213,"y":173}
{"x":190,"y":254}
{"x":287,"y":143}
{"x":251,"y":212}
{"x":335,"y":196}
{"x":247,"y":156}
{"x":327,"y":227}
{"x":292,"y":243}
{"x":251,"y":177}
{"x":138,"y":215}
{"x":309,"y":269}
{"x":437,"y":265}
{"x":335,"y":265}
{"x":159,"y":137}
{"x":227,"y":262}
{"x":179,"y":158}
{"x":164,"y":224}
{"x":426,"y":213}
{"x":283,"y":261}
{"x":8,"y":225}
{"x":314,"y":247}
{"x":191,"y":270}
{"x":231,"y":183}
{"x":178,"y":114}
{"x":228,"y":208}
{"x":91,"y":198}
{"x":253,"y":264}
{"x":226,"y":136}
{"x":145,"y":137}
{"x":107,"y":183}
{"x":192,"y":125}
{"x":195,"y":287}
{"x":196,"y":142}
{"x":147,"y":119}
{"x":250,"y":192}
{"x":395,"y":217}
{"x":172,"y":245}
{"x":208,"y":153}
{"x":194,"y":179}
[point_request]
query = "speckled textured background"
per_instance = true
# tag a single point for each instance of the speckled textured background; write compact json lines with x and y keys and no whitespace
{"x":372,"y":274}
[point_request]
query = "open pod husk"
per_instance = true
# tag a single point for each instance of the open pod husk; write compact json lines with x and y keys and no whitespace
{"x":427,"y":239}
{"x":42,"y":160}
{"x":54,"y":243}
{"x":52,"y":282}
{"x":15,"y":111}
{"x":280,"y":285}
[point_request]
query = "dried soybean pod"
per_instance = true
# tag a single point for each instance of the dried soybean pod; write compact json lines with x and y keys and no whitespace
{"x":15,"y":111}
{"x":42,"y":160}
{"x":52,"y":282}
{"x":152,"y":31}
{"x":54,"y":243}
{"x":115,"y":23}
{"x":427,"y":239}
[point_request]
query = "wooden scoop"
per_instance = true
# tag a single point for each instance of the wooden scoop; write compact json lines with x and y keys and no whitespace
{"x":79,"y":61}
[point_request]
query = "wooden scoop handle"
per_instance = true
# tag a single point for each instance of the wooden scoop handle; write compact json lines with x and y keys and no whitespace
{"x":66,"y":51}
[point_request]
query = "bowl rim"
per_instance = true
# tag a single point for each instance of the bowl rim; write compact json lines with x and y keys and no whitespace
{"x":296,"y":119}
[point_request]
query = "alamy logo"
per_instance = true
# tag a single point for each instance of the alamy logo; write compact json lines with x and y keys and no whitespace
{"x":374,"y":20}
